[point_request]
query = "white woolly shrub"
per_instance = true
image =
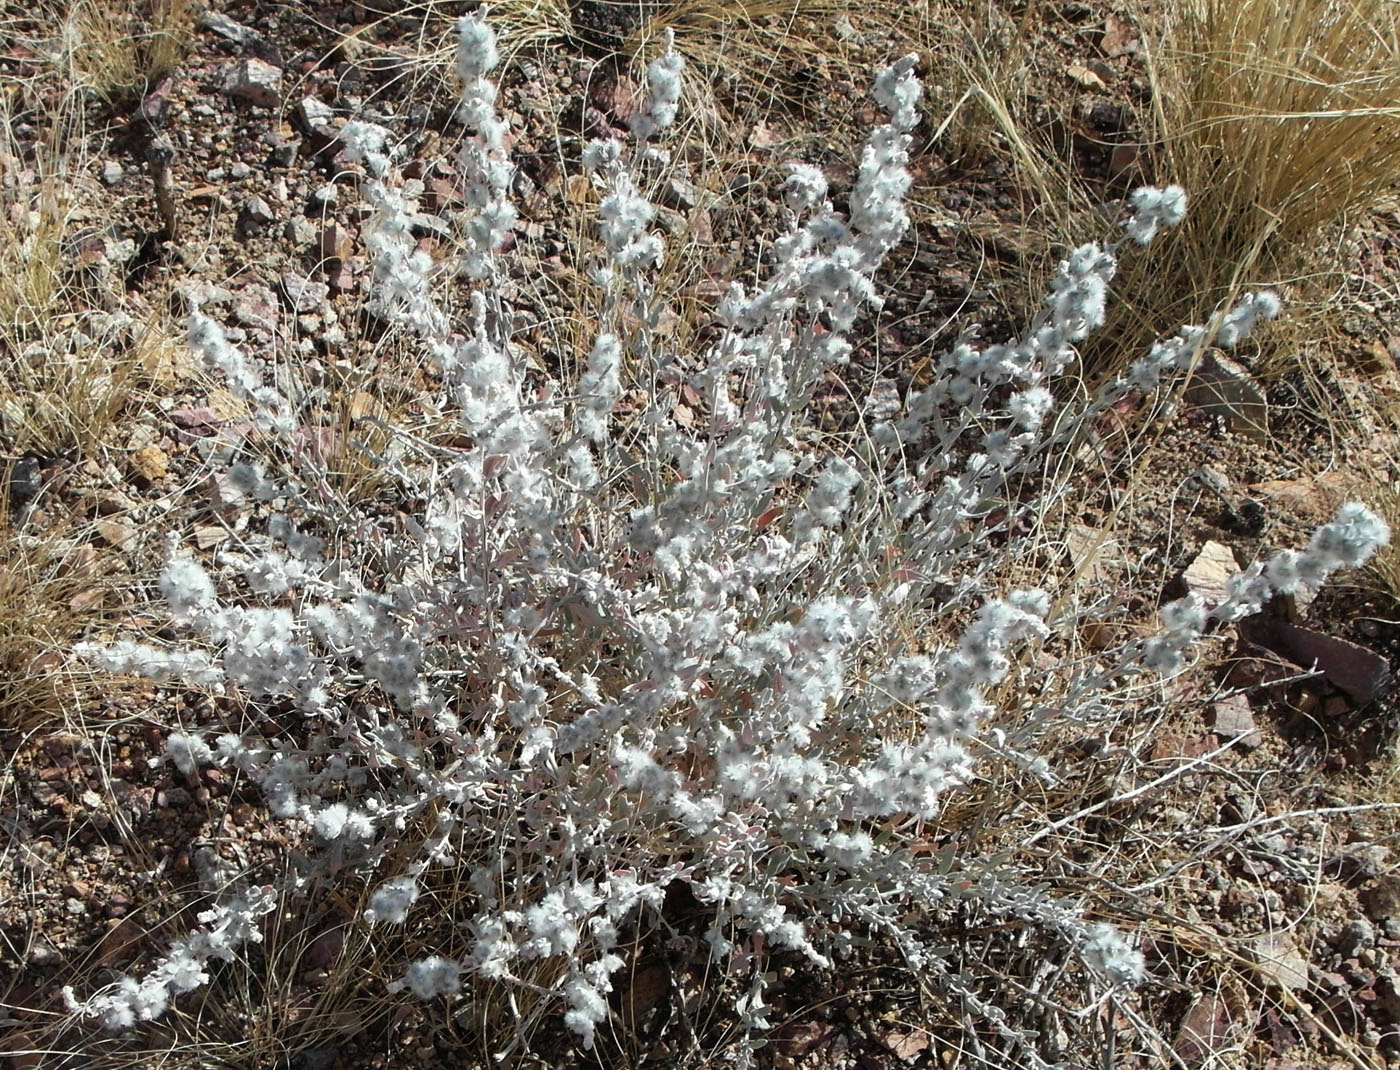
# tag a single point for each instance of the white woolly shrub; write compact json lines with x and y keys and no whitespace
{"x":735,"y":658}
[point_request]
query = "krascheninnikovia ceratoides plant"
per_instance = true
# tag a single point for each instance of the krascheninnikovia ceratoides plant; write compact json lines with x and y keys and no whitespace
{"x":719,"y":692}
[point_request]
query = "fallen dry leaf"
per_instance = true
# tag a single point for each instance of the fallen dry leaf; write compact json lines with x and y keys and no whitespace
{"x":1083,"y":76}
{"x":1221,"y":387}
{"x":1119,"y":37}
{"x":1279,"y":961}
{"x":1207,"y":1030}
{"x":1234,"y":719}
{"x":907,"y":1047}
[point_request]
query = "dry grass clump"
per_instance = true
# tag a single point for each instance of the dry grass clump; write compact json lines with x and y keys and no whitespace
{"x":36,"y":618}
{"x":35,"y":198}
{"x":1279,"y":120}
{"x":66,"y":369}
{"x":114,"y":49}
{"x":71,"y":358}
{"x":69,"y":354}
{"x":54,"y":586}
{"x":982,"y":70}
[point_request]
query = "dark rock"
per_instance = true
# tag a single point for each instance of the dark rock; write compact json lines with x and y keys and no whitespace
{"x":1351,"y":668}
{"x":314,"y":116}
{"x":257,"y":82}
{"x":1359,"y":934}
{"x":1382,"y":899}
{"x":23,"y":482}
{"x":155,"y":107}
{"x":255,"y":214}
{"x":284,"y":154}
{"x":424,"y":225}
{"x":680,"y":194}
{"x":227,"y":28}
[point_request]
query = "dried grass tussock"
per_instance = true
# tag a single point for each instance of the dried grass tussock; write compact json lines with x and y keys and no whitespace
{"x":1283,"y":121}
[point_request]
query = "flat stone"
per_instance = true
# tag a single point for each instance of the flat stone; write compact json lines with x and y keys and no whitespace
{"x":284,"y":153}
{"x":43,"y":953}
{"x":156,"y":105}
{"x":303,"y":294}
{"x":680,"y":193}
{"x":227,"y":28}
{"x":1235,"y":720}
{"x":1280,"y":963}
{"x":341,"y":275}
{"x":335,"y":242}
{"x":1207,"y":1030}
{"x":1210,"y":572}
{"x":1361,"y":673}
{"x":1092,"y":553}
{"x":1382,"y":899}
{"x":1312,"y":500}
{"x":425,"y":225}
{"x":195,"y":417}
{"x":256,"y":306}
{"x":117,"y":533}
{"x":121,"y":940}
{"x":362,"y":405}
{"x":314,"y":115}
{"x":255,"y":214}
{"x":1223,"y":388}
{"x":257,"y":82}
{"x":441,"y":194}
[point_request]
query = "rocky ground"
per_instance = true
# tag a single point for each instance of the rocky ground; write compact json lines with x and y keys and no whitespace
{"x":226,"y":180}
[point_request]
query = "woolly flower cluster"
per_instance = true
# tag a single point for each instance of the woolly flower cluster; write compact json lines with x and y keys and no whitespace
{"x":663,"y":95}
{"x":1349,"y":541}
{"x":1154,"y":208}
{"x":594,"y":663}
{"x":227,"y":927}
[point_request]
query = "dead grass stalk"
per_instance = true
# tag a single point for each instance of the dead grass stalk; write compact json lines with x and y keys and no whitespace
{"x":1279,"y":121}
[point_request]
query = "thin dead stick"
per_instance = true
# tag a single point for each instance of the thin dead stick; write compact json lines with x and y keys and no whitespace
{"x":1210,"y":943}
{"x":1340,"y":1044}
{"x":1225,"y":833}
{"x":1165,"y":778}
{"x":1321,"y":811}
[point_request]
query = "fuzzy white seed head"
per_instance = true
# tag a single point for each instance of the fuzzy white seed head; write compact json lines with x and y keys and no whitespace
{"x":1107,"y":951}
{"x":187,"y":751}
{"x":476,"y":48}
{"x":1351,"y":539}
{"x":432,"y":977}
{"x":1030,"y":407}
{"x":1154,"y":208}
{"x":391,"y":901}
{"x":664,"y":92}
{"x":804,"y":188}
